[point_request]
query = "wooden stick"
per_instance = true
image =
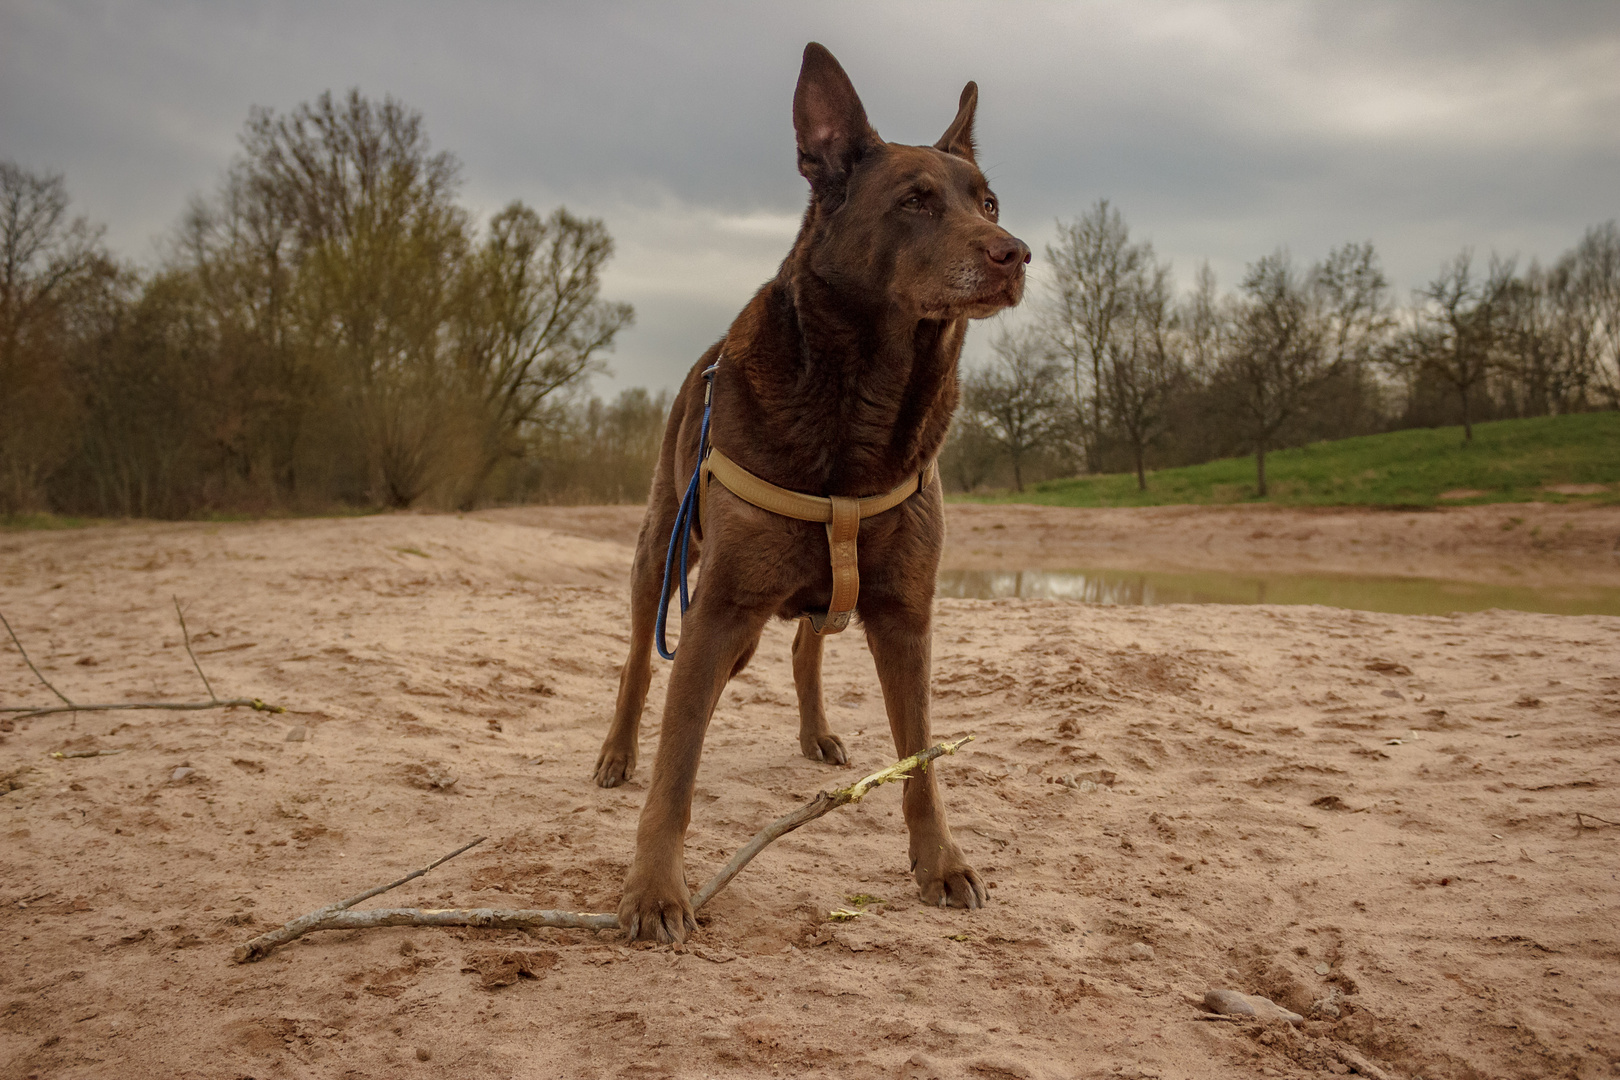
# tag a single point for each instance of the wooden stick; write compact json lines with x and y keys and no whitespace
{"x":498,"y":918}
{"x":27,"y":712}
{"x":24,"y":713}
{"x":821,"y":804}
{"x":1579,"y":815}
{"x":262,"y":944}
{"x":336,"y":917}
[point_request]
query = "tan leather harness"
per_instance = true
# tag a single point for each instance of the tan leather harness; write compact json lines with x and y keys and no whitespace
{"x":842,"y":515}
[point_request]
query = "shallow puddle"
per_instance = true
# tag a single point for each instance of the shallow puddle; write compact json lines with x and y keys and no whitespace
{"x":1401,"y":596}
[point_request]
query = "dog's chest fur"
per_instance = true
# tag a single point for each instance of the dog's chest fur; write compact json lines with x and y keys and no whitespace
{"x":834,"y":400}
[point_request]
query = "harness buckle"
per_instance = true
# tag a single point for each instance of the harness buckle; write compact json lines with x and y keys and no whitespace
{"x":828,"y":622}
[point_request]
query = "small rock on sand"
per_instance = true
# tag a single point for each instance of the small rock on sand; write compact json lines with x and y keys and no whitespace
{"x":1228,"y":1003}
{"x":430,"y":776}
{"x":1232,"y":1003}
{"x":296,"y":734}
{"x":1140,"y":951}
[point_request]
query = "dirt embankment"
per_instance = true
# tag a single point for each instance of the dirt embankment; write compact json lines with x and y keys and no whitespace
{"x":1529,"y":544}
{"x":1369,"y":818}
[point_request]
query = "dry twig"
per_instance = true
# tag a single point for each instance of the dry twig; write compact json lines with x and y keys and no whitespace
{"x":262,"y":944}
{"x":337,"y":917}
{"x":1580,"y":823}
{"x":65,"y":699}
{"x":24,"y":712}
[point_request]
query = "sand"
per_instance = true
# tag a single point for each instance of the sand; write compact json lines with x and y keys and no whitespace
{"x":1369,"y":819}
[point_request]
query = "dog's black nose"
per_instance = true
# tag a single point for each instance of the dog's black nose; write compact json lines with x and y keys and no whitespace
{"x":1007,"y":252}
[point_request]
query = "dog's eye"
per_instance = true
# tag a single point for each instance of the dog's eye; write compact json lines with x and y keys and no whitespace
{"x":911,"y":202}
{"x":990,"y":207}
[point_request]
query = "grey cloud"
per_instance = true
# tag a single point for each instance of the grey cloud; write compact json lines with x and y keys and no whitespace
{"x":1222,"y":130}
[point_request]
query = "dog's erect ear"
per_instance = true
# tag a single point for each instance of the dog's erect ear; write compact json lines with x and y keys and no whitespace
{"x":828,"y":121}
{"x":958,"y":138}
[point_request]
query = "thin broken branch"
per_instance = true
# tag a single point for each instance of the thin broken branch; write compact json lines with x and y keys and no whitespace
{"x":65,"y":699}
{"x":1580,"y":822}
{"x":186,"y":636}
{"x":337,"y":917}
{"x":25,"y":712}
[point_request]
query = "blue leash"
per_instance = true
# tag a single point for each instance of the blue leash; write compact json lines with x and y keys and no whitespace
{"x":684,"y":519}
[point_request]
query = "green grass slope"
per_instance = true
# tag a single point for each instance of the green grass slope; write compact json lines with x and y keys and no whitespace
{"x":1508,"y":461}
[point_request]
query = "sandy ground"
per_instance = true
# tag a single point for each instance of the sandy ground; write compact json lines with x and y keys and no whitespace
{"x":1369,"y":818}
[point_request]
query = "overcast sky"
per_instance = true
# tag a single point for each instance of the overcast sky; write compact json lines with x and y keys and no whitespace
{"x":1221,"y":130}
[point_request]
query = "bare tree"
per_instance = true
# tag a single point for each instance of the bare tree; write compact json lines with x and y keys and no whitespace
{"x":1547,"y":345}
{"x":1594,"y":302}
{"x":970,"y":454}
{"x":237,"y":258}
{"x":1352,"y":297}
{"x":1144,"y":366}
{"x":1456,"y":331}
{"x":1017,"y":399}
{"x":55,"y":282}
{"x":1277,"y":358}
{"x":532,"y":322}
{"x":378,"y":242}
{"x":345,"y":290}
{"x":1205,"y":320}
{"x":1094,"y":265}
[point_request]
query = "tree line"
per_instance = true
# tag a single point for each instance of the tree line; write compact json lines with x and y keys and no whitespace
{"x":328,"y":328}
{"x":1116,"y":372}
{"x":331,"y":328}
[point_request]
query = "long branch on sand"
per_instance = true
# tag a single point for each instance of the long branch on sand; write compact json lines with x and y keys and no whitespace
{"x":336,"y":916}
{"x":68,"y":705}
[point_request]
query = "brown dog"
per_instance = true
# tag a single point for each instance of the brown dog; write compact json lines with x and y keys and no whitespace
{"x":838,"y":379}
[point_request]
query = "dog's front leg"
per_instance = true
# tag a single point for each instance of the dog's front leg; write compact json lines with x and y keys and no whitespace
{"x":900,"y":644}
{"x":714,"y":635}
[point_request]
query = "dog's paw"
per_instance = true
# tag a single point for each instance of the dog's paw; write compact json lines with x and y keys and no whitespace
{"x":614,"y":767}
{"x":827,"y":747}
{"x":951,"y":882}
{"x":656,"y":912}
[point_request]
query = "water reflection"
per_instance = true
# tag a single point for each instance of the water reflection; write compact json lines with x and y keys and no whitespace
{"x":1403,"y":596}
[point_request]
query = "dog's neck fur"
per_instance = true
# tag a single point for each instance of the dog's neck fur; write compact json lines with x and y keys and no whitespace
{"x":843,"y":397}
